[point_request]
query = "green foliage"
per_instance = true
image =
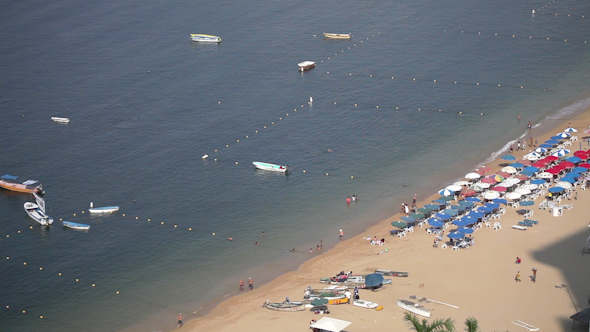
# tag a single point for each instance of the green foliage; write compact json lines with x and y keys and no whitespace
{"x":471,"y":325}
{"x":437,"y":325}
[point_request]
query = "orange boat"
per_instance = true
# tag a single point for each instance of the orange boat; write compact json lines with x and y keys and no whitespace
{"x":338,"y":301}
{"x":30,"y":186}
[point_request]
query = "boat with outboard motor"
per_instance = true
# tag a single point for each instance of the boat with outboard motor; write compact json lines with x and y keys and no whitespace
{"x":392,"y":273}
{"x":30,"y":186}
{"x":37,"y":211}
{"x":271,"y":167}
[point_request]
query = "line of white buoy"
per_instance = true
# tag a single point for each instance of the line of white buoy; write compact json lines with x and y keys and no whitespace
{"x":519,"y":36}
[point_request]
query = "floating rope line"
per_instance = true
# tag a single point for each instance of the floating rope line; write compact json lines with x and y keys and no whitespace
{"x":356,"y":44}
{"x":519,"y":36}
{"x":568,"y":15}
{"x":544,"y":6}
{"x":413,"y":79}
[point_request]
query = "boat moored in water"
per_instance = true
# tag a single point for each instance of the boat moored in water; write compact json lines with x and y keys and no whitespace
{"x":104,"y":209}
{"x":205,"y":38}
{"x":60,"y":120}
{"x":37,"y":211}
{"x":337,"y":35}
{"x":29,"y":186}
{"x":306,"y":65}
{"x":271,"y":167}
{"x":75,"y":225}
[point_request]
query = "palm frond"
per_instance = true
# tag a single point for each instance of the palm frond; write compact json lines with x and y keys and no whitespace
{"x":471,"y":325}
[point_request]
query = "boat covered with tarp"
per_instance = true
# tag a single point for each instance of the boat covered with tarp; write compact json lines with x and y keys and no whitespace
{"x":9,"y":182}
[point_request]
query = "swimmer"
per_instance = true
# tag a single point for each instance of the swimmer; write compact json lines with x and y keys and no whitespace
{"x":230,"y":238}
{"x":256,"y":243}
{"x":293,"y":250}
{"x":330,"y":150}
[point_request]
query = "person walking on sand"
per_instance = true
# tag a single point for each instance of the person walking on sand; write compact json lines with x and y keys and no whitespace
{"x":250,"y":283}
{"x":241,"y":285}
{"x":414,"y":200}
{"x":348,"y":295}
{"x":534,"y":278}
{"x":341,"y":235}
{"x":517,"y":278}
{"x":179,"y":320}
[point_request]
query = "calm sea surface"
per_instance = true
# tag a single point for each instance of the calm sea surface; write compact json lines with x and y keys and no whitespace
{"x":146,"y":103}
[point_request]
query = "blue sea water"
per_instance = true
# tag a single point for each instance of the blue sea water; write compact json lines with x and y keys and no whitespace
{"x":146,"y":103}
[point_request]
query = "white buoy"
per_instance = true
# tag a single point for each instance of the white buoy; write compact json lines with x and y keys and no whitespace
{"x":533,"y":11}
{"x":310,"y":100}
{"x":91,"y":205}
{"x":205,"y":156}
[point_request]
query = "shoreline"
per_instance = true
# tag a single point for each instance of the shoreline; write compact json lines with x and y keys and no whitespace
{"x":223,"y":314}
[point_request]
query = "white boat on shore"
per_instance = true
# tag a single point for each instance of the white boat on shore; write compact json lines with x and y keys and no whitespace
{"x":60,"y":120}
{"x":416,"y":308}
{"x":271,"y":167}
{"x":37,"y":211}
{"x":104,"y":209}
{"x":337,"y":35}
{"x":196,"y":37}
{"x":306,"y":65}
{"x":365,"y":304}
{"x":75,"y":225}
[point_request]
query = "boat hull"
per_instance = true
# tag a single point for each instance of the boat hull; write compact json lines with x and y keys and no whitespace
{"x":306,"y":65}
{"x":37,"y":214}
{"x":21,"y":188}
{"x":106,"y":209}
{"x":287,"y":307}
{"x":414,"y":308}
{"x":365,"y":304}
{"x":337,"y":35}
{"x":60,"y":120}
{"x":270,"y":167}
{"x":205,"y":38}
{"x":76,"y":226}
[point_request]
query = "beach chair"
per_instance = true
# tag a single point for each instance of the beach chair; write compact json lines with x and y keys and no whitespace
{"x":583,"y":186}
{"x":497,"y":226}
{"x":574,"y":138}
{"x":525,"y":223}
{"x":529,"y":214}
{"x":401,"y":234}
{"x":569,"y":206}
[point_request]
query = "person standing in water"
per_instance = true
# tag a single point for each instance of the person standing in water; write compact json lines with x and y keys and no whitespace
{"x":341,"y":235}
{"x":250,"y":283}
{"x":179,"y":320}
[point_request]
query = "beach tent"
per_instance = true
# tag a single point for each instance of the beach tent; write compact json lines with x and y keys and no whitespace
{"x":330,"y":324}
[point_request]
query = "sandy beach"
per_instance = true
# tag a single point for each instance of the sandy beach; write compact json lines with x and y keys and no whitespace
{"x":479,"y":280}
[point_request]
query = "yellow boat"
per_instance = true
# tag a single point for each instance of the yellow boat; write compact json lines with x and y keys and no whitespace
{"x":338,"y":35}
{"x":338,"y":301}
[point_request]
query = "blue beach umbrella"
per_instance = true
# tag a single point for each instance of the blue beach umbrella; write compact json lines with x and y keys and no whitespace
{"x":440,"y":201}
{"x":462,"y":222}
{"x":570,"y":130}
{"x":443,"y":216}
{"x":473,"y":199}
{"x":580,"y":170}
{"x":484,"y":209}
{"x":435,"y":222}
{"x":509,"y":157}
{"x":572,"y":175}
{"x":456,"y":235}
{"x":568,"y":179}
{"x":538,"y":181}
{"x":546,"y":146}
{"x":552,"y":142}
{"x":527,"y":203}
{"x":465,"y":230}
{"x":574,"y":159}
{"x":432,"y":207}
{"x":408,"y":219}
{"x":450,"y":212}
{"x":555,"y":190}
{"x":517,"y":165}
{"x":493,"y":205}
{"x":465,"y":203}
{"x":557,"y":138}
{"x":531,"y":169}
{"x":475,"y":214}
{"x":563,"y":135}
{"x":500,"y":201}
{"x":527,"y":173}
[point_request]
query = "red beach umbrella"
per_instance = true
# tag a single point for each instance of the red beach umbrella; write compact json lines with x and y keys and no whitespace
{"x":538,"y":164}
{"x":525,"y":162}
{"x":550,"y":158}
{"x":499,"y":189}
{"x":489,"y":180}
{"x":483,"y":169}
{"x":468,"y":192}
{"x":521,"y":177}
{"x":566,"y":164}
{"x":554,"y":170}
{"x":581,"y":154}
{"x":544,"y":161}
{"x":503,"y":174}
{"x":585,"y":165}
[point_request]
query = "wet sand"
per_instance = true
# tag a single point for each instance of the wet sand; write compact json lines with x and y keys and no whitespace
{"x":479,"y":280}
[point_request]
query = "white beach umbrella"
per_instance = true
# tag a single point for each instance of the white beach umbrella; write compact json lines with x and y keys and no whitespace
{"x":564,"y":135}
{"x":522,"y":191}
{"x":561,"y":153}
{"x":511,"y":181}
{"x":531,"y":156}
{"x":530,"y":186}
{"x":454,"y":188}
{"x":570,"y":130}
{"x":540,"y":150}
{"x":461,"y":183}
{"x":545,"y":175}
{"x":509,"y":169}
{"x":564,"y":185}
{"x":330,"y":324}
{"x":472,"y":176}
{"x":513,"y":195}
{"x":482,"y":185}
{"x":490,"y":195}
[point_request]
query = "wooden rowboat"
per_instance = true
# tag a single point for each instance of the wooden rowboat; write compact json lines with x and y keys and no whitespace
{"x":416,"y":308}
{"x":337,"y":35}
{"x":285,"y":306}
{"x":30,"y":186}
{"x":392,"y":273}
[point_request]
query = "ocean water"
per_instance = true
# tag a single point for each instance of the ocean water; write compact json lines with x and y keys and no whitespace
{"x":146,"y":103}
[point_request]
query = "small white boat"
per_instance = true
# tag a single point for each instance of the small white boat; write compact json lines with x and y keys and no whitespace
{"x":74,"y":225}
{"x":205,"y":38}
{"x":413,"y":307}
{"x":306,"y":65}
{"x":37,"y":211}
{"x":337,"y":35}
{"x":365,"y":304}
{"x":104,"y":209}
{"x":60,"y":120}
{"x":271,"y":167}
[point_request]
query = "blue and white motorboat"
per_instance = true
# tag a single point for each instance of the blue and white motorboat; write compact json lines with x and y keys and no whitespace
{"x":75,"y":225}
{"x":37,"y":211}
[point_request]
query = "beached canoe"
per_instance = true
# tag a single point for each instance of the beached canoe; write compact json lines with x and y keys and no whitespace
{"x":285,"y":306}
{"x":338,"y":301}
{"x":337,"y":35}
{"x":416,"y":308}
{"x":270,"y":167}
{"x":392,"y":273}
{"x":365,"y":304}
{"x":104,"y":209}
{"x":30,"y":186}
{"x":75,"y":225}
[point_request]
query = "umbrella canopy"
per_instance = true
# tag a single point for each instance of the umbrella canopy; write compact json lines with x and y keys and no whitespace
{"x":465,"y":221}
{"x":490,"y":180}
{"x":476,"y":215}
{"x":481,"y":185}
{"x":526,"y":162}
{"x":493,"y":205}
{"x":525,"y":174}
{"x":454,"y":188}
{"x":399,"y":224}
{"x":330,"y":324}
{"x":435,"y":222}
{"x":539,"y":181}
{"x":556,"y":137}
{"x":564,"y":184}
{"x":540,"y":150}
{"x":570,"y":130}
{"x":556,"y":190}
{"x":443,"y":216}
{"x":445,"y":192}
{"x":465,"y":203}
{"x":408,"y":219}
{"x":432,"y":207}
{"x":489,"y":195}
{"x":546,"y":146}
{"x":446,"y":198}
{"x":545,"y":175}
{"x":572,"y":175}
{"x":509,"y":169}
{"x":517,"y":165}
{"x":581,"y":154}
{"x":500,"y":201}
{"x":550,"y":158}
{"x":530,"y":186}
{"x":567,"y":179}
{"x":484,"y":209}
{"x":580,"y":170}
{"x":509,"y":157}
{"x":424,"y":210}
{"x":513,"y":195}
{"x":573,"y":159}
{"x":531,"y":169}
{"x":374,"y":280}
{"x":511,"y":182}
{"x":585,"y":165}
{"x":527,"y":203}
{"x":468,"y":192}
{"x":473,"y":199}
{"x":498,"y":178}
{"x":417,"y":215}
{"x":530,"y":156}
{"x":567,"y":163}
{"x":522,"y":191}
{"x":456,"y":235}
{"x":459,"y":208}
{"x":560,"y":153}
{"x":472,"y":176}
{"x":439,"y":201}
{"x":504,"y":174}
{"x":465,"y":230}
{"x":461,"y":183}
{"x":552,"y":142}
{"x":563,"y":135}
{"x":483,"y":170}
{"x":450,"y":212}
{"x":499,"y":189}
{"x":555,"y":170}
